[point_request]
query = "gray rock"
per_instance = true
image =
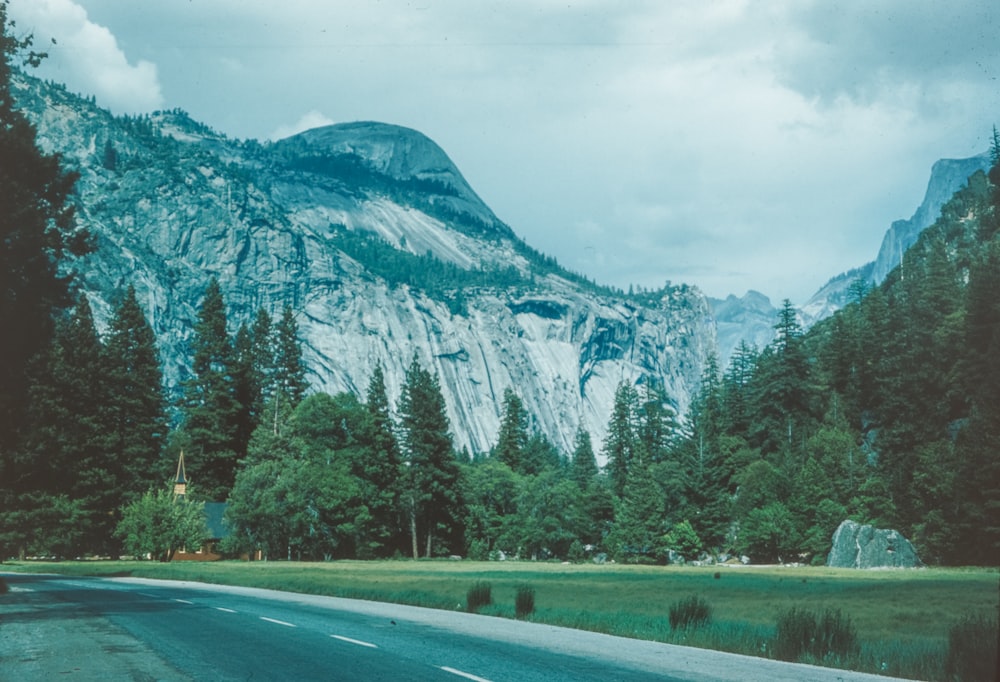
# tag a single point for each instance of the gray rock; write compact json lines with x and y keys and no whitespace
{"x":858,"y":546}
{"x":268,"y":220}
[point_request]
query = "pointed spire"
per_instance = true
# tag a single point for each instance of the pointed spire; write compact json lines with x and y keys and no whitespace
{"x":180,"y":481}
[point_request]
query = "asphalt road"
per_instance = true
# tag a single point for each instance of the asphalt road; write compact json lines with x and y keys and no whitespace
{"x":134,"y":629}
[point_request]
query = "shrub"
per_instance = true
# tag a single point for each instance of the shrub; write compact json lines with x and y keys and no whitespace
{"x":693,"y":612}
{"x":478,"y":596}
{"x":524,"y":602}
{"x":801,"y":633}
{"x":972,"y":650}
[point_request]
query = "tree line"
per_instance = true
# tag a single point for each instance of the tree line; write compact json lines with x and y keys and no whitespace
{"x":884,"y":413}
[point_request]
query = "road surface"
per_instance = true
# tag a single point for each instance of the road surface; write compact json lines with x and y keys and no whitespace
{"x":54,"y":627}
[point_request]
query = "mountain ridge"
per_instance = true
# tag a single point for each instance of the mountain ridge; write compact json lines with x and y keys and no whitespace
{"x":172,"y":203}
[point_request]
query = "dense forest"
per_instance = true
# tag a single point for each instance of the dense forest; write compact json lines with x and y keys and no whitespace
{"x":885,"y":413}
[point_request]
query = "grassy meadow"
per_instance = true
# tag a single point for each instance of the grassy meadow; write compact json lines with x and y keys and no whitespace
{"x":902,"y":617}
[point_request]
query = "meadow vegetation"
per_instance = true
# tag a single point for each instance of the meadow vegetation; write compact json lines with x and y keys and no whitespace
{"x":920,"y":624}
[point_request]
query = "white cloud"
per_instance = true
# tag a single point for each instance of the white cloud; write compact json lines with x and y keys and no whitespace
{"x":86,"y":56}
{"x":310,"y":119}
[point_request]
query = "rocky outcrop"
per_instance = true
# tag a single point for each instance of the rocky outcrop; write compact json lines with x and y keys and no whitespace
{"x":862,"y":546}
{"x":178,"y":203}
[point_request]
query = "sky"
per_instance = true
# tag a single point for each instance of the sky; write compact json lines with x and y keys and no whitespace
{"x":727,"y":144}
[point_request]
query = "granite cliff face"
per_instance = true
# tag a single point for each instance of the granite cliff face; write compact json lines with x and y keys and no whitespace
{"x":171,"y":203}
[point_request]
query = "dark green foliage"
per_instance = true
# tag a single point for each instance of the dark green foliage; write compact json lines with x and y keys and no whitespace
{"x":36,"y":230}
{"x":972,"y":650}
{"x":524,"y":601}
{"x":437,"y":279}
{"x":211,"y":412}
{"x":690,"y":613}
{"x":478,"y":596}
{"x":621,"y":443}
{"x":429,"y":483}
{"x":513,"y":437}
{"x":802,"y":635}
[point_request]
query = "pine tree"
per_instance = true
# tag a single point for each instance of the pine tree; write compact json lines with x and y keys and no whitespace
{"x":36,"y":229}
{"x":135,"y":407}
{"x":431,"y":471}
{"x":210,"y":409}
{"x":583,"y":466}
{"x":289,"y":371}
{"x":657,"y":424}
{"x":513,"y":436}
{"x":621,"y":443}
{"x":383,"y":466}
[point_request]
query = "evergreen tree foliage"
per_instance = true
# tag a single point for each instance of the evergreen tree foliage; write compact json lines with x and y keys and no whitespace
{"x":382,"y":467}
{"x":429,"y":493}
{"x":135,"y":423}
{"x":583,"y":466}
{"x":513,"y":437}
{"x":210,"y":409}
{"x":36,"y":230}
{"x":621,"y":443}
{"x":289,"y":379}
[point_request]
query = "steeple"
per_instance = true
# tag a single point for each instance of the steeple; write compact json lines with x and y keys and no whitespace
{"x":180,"y":481}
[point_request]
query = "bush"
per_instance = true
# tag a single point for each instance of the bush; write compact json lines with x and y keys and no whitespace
{"x":693,"y":612}
{"x":524,"y":602}
{"x":800,"y":633}
{"x":972,"y":650}
{"x":478,"y":596}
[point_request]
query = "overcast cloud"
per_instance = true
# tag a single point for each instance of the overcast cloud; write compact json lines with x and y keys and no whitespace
{"x":730,"y":144}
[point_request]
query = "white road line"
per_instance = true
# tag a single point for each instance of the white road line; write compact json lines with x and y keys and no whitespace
{"x":147,"y":594}
{"x":355,"y":641}
{"x":183,"y":601}
{"x":461,"y":674}
{"x":220,"y":608}
{"x":279,"y":622}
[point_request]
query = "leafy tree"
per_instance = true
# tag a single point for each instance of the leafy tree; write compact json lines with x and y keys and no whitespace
{"x":548,"y":518}
{"x":159,"y":524}
{"x":490,"y":494}
{"x":769,"y":533}
{"x":640,"y":515}
{"x":431,"y":470}
{"x":683,"y":539}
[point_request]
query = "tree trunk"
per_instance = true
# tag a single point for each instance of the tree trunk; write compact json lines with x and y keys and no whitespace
{"x":430,"y":536}
{"x":413,"y":534}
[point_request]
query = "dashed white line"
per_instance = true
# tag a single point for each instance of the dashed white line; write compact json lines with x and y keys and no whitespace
{"x":461,"y":674}
{"x":355,"y":641}
{"x":222,"y":608}
{"x":183,"y":601}
{"x":279,"y":622}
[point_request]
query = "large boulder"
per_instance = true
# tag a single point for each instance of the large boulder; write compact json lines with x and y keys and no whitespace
{"x":858,"y":546}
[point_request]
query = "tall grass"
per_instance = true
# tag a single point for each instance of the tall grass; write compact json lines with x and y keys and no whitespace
{"x":524,"y":601}
{"x":478,"y":596}
{"x":972,"y":650}
{"x":693,"y":612}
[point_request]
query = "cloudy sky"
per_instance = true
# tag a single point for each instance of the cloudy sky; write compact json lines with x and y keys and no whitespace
{"x":729,"y":144}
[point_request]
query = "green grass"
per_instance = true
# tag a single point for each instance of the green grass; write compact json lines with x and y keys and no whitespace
{"x":903,"y":618}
